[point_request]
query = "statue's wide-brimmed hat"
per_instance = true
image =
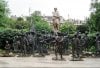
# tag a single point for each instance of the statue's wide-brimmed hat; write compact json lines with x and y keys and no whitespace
{"x":30,"y":32}
{"x":65,"y":33}
{"x":60,"y":34}
{"x":55,"y":8}
{"x":97,"y":33}
{"x":22,"y":35}
{"x":27,"y":32}
{"x":33,"y":32}
{"x":38,"y":34}
{"x":43,"y":31}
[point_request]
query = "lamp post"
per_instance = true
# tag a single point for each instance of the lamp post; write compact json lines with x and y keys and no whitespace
{"x":30,"y":19}
{"x":68,"y":24}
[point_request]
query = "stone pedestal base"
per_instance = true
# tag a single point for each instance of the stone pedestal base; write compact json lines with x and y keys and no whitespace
{"x":76,"y":59}
{"x":7,"y":55}
{"x":38,"y":55}
{"x":54,"y":58}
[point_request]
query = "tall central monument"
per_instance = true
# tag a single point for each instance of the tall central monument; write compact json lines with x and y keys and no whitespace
{"x":56,"y":20}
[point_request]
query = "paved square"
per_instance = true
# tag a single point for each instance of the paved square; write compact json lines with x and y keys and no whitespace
{"x":47,"y":62}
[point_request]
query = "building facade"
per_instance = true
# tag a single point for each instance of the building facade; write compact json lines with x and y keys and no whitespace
{"x":76,"y":22}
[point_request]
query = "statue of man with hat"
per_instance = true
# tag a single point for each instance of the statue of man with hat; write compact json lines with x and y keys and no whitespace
{"x":56,"y":20}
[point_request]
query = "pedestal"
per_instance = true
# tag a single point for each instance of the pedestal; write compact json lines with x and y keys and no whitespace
{"x":54,"y":58}
{"x":76,"y":59}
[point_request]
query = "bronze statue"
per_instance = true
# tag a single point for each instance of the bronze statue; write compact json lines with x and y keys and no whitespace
{"x":59,"y":48}
{"x":76,"y":48}
{"x":7,"y":48}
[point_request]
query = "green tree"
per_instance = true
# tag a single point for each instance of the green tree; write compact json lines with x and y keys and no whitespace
{"x":39,"y":23}
{"x":94,"y":20}
{"x":9,"y":23}
{"x":82,"y":28}
{"x":68,"y":27}
{"x":20,"y":24}
{"x":3,"y":12}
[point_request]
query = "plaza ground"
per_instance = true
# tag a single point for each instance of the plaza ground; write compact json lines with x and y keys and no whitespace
{"x":47,"y":62}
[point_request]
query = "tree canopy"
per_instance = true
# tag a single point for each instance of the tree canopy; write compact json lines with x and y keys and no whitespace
{"x":94,"y":20}
{"x":3,"y":12}
{"x":68,"y":27}
{"x":39,"y":23}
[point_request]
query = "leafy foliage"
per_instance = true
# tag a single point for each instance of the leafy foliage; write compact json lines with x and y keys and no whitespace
{"x":68,"y":27}
{"x":94,"y":20}
{"x":40,"y":24}
{"x":3,"y":12}
{"x":8,"y":34}
{"x":21,"y":24}
{"x":82,"y":28}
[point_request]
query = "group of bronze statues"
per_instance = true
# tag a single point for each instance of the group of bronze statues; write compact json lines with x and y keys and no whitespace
{"x":42,"y":44}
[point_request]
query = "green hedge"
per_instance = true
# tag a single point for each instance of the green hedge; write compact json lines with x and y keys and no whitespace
{"x":92,"y":43}
{"x":9,"y":34}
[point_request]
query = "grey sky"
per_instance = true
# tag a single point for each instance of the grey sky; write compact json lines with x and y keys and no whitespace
{"x":77,"y":9}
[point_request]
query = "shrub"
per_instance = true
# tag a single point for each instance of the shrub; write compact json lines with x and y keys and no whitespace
{"x":8,"y":34}
{"x":82,"y":28}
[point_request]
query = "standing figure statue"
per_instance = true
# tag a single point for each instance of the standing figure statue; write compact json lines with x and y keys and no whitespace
{"x":59,"y":48}
{"x":7,"y":48}
{"x":76,"y":48}
{"x":31,"y":42}
{"x":40,"y":45}
{"x":56,"y":20}
{"x":86,"y":42}
{"x":97,"y":44}
{"x":16,"y":44}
